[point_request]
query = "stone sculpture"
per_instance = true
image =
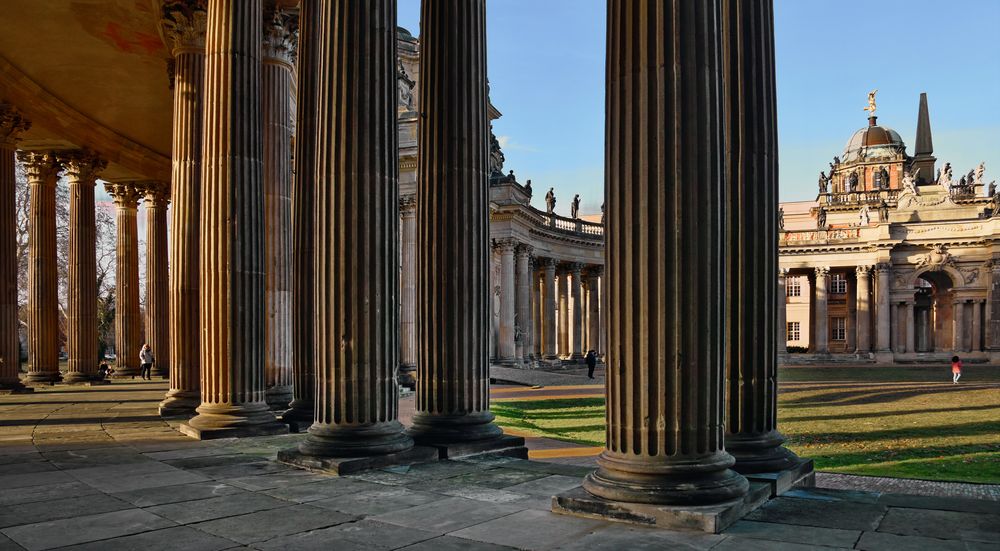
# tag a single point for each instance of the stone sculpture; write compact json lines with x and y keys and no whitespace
{"x":910,"y":182}
{"x":550,"y":201}
{"x":883,"y":212}
{"x":824,"y":181}
{"x":781,"y":217}
{"x":852,"y":182}
{"x":864,"y":216}
{"x":871,"y":103}
{"x":405,"y":84}
{"x":574,"y":207}
{"x":821,"y":219}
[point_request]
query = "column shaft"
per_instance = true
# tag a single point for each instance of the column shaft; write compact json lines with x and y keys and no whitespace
{"x":882,"y":312}
{"x":11,"y":125}
{"x":506,"y":346}
{"x":536,"y":310}
{"x":357,"y":234}
{"x":407,"y":303}
{"x":453,"y":194}
{"x":277,"y":113}
{"x":81,"y":285}
{"x":577,"y":292}
{"x":782,"y":306}
{"x":864,"y":322}
{"x":188,"y":36}
{"x":549,"y":310}
{"x":522,"y":321}
{"x":564,"y":320}
{"x":977,"y":325}
{"x":157,"y":277}
{"x":911,"y":328}
{"x":593,"y":314}
{"x":958,"y":315}
{"x":128,"y":315}
{"x":301,"y":412}
{"x":665,"y":258}
{"x":821,"y":330}
{"x":232,"y":224}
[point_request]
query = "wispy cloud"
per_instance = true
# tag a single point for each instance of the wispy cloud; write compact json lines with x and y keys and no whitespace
{"x":507,"y":143}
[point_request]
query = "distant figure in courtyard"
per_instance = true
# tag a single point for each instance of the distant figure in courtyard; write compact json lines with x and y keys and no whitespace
{"x":550,"y":200}
{"x":956,"y":369}
{"x":145,"y":362}
{"x":103,"y":371}
{"x":574,"y":207}
{"x":591,"y":360}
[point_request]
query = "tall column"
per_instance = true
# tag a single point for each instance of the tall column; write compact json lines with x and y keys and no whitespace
{"x":977,"y":325}
{"x":43,"y":287}
{"x":751,"y":210}
{"x":992,"y":316}
{"x":408,"y":289}
{"x":958,"y":315}
{"x":186,"y":30}
{"x":782,"y":305}
{"x":536,"y":309}
{"x":911,"y":328}
{"x":594,"y":313}
{"x":666,"y":336}
{"x":564,"y":320}
{"x":12,"y":124}
{"x":522,"y":322}
{"x":549,"y":309}
{"x":882,"y":312}
{"x":157,"y":274}
{"x":357,"y":234}
{"x":276,"y":107}
{"x":82,"y":168}
{"x":864,"y":321}
{"x":576,"y":271}
{"x":505,"y":336}
{"x":128,"y":316}
{"x":301,"y":412}
{"x":850,"y":322}
{"x":453,"y":402}
{"x":821,"y":331}
{"x":232,"y":230}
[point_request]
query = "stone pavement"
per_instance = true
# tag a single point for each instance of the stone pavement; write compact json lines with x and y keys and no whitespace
{"x":95,"y":468}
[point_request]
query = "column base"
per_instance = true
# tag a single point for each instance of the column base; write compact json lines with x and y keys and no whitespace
{"x":698,"y":480}
{"x":434,"y":429}
{"x":162,"y":372}
{"x":180,"y":403}
{"x":340,"y":441}
{"x":126,"y":372}
{"x":299,"y":416}
{"x":43,"y":377}
{"x":341,"y":466}
{"x":760,"y":453}
{"x":79,"y":378}
{"x":799,"y":474}
{"x":227,"y":421}
{"x":699,"y":518}
{"x":278,"y":397}
{"x":505,"y":445}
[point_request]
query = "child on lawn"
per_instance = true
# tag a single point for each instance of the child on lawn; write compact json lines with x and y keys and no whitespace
{"x":956,"y":369}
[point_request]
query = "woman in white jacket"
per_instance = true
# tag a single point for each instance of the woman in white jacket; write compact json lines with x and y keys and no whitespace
{"x":145,"y":361}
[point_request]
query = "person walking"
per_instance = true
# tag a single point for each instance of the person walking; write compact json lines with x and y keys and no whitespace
{"x":146,"y":362}
{"x":591,"y":360}
{"x":956,"y":369}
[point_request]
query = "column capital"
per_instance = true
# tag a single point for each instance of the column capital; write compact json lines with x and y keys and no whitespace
{"x":523,"y":249}
{"x":546,"y":263}
{"x":407,"y":205}
{"x":156,"y":192}
{"x":281,"y":35}
{"x":883,"y":267}
{"x":41,"y":166}
{"x":596,"y":271}
{"x":12,"y":124}
{"x":575,"y":268}
{"x":822,"y":271}
{"x":863,"y":271}
{"x":505,"y":245}
{"x":125,"y":194}
{"x":81,"y":165}
{"x":184,"y":23}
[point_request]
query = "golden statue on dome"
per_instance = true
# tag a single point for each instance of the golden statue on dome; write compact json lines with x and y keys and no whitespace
{"x":871,"y":103}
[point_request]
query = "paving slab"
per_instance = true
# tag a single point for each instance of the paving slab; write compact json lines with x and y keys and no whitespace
{"x":112,"y":482}
{"x":364,"y":535}
{"x":217,"y":507}
{"x":387,"y":499}
{"x":26,"y":480}
{"x":733,"y":543}
{"x":41,"y":511}
{"x":161,"y":495}
{"x":880,"y":541}
{"x":533,"y":530}
{"x":831,"y":537}
{"x":497,"y":478}
{"x":619,"y":537}
{"x":257,"y":467}
{"x":265,"y":525}
{"x":827,"y":514}
{"x":965,"y":505}
{"x":26,"y":468}
{"x":7,"y":545}
{"x":447,"y":515}
{"x":14,"y":496}
{"x":271,"y":481}
{"x":942,"y":524}
{"x":83,"y":529}
{"x":168,"y":539}
{"x":448,"y":543}
{"x":546,"y":486}
{"x":324,"y":489}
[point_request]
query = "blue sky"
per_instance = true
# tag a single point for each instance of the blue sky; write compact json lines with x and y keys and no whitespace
{"x":546,"y":66}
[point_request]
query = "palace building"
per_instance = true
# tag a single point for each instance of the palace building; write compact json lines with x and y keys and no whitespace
{"x":893,"y":261}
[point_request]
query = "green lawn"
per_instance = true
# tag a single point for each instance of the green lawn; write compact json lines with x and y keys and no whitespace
{"x":871,"y":421}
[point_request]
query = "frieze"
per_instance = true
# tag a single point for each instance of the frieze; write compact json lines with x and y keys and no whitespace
{"x":843,"y":234}
{"x":964,"y":228}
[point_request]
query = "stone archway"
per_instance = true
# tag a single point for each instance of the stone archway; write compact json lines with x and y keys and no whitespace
{"x":933,"y":311}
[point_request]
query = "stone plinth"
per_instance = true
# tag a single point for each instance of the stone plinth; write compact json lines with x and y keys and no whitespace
{"x":702,"y":518}
{"x":12,"y":124}
{"x":505,"y":445}
{"x":341,"y":466}
{"x":798,"y":473}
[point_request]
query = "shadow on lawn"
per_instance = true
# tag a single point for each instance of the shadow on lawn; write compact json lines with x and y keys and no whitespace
{"x":860,"y":397}
{"x":880,"y":414}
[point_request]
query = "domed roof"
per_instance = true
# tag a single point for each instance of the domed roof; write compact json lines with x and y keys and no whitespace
{"x":872,"y":142}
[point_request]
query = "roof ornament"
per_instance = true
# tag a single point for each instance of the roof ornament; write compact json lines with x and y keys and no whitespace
{"x":871,"y":103}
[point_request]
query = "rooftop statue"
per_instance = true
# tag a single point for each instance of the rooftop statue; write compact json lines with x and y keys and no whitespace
{"x":910,"y":182}
{"x":527,"y":188}
{"x":852,"y":182}
{"x":405,"y":84}
{"x":993,"y":189}
{"x":550,"y":201}
{"x":824,"y":181}
{"x":821,"y":219}
{"x":980,"y":171}
{"x":871,"y":103}
{"x":781,"y":218}
{"x":883,"y":212}
{"x":864,"y":216}
{"x":574,"y":207}
{"x":944,"y":177}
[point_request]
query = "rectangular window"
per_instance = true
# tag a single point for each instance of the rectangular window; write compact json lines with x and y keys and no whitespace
{"x":838,"y":284}
{"x":839,"y":326}
{"x":793,"y":330}
{"x":793,"y":286}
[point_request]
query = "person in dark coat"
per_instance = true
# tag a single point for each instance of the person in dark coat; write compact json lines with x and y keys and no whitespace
{"x":591,"y":359}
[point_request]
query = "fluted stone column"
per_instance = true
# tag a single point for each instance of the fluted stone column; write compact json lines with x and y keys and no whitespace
{"x":666,"y":336}
{"x":232,"y":230}
{"x":594,"y":309}
{"x":157,"y":276}
{"x":821,"y":331}
{"x":301,"y":413}
{"x":911,"y":327}
{"x":12,"y":124}
{"x":186,"y":30}
{"x":453,"y":403}
{"x":536,"y":309}
{"x":505,"y":336}
{"x":407,"y":302}
{"x":522,"y":321}
{"x":564,"y":319}
{"x":752,"y":238}
{"x":958,"y":315}
{"x":357,"y":234}
{"x":782,"y":303}
{"x":864,"y":309}
{"x":549,"y":309}
{"x":82,"y":168}
{"x":128,"y":315}
{"x":576,"y":272}
{"x":276,"y":107}
{"x":977,"y":325}
{"x":883,"y":316}
{"x":43,"y":306}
